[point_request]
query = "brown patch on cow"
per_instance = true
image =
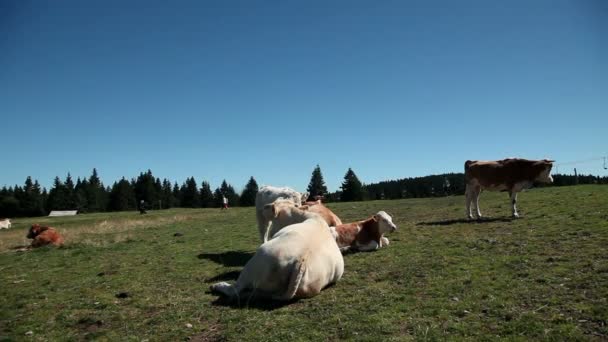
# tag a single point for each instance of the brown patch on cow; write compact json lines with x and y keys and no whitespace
{"x":370,"y":231}
{"x":347,"y":234}
{"x":43,"y":236}
{"x":507,"y":172}
{"x":317,"y":207}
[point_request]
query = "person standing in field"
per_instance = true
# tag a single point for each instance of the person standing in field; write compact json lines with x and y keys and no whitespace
{"x":142,"y":207}
{"x":224,"y":202}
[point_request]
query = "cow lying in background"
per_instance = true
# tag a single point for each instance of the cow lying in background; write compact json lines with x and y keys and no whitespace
{"x":512,"y":175}
{"x":268,"y":194}
{"x":366,"y":235}
{"x":298,"y":262}
{"x":280,"y":218}
{"x":5,"y":223}
{"x":44,"y":236}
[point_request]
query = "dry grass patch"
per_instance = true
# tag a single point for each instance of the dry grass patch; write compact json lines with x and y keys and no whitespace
{"x":88,"y":230}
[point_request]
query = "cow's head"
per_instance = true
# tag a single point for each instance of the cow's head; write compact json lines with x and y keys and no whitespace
{"x":272,"y":210}
{"x":385,"y":222}
{"x":35,"y":230}
{"x":544,"y":174}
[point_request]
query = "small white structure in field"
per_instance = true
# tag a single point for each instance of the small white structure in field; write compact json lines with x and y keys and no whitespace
{"x":63,"y":213}
{"x":5,"y":223}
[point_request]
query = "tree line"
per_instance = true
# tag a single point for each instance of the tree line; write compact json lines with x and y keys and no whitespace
{"x":89,"y":195}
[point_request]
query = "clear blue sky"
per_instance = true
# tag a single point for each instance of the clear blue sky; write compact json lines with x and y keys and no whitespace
{"x":233,"y":89}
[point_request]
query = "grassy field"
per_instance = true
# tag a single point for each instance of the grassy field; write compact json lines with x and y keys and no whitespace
{"x":123,"y":276}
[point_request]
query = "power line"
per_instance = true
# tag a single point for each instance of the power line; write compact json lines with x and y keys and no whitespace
{"x":580,"y":161}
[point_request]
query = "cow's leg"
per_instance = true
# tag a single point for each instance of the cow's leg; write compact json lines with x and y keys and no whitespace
{"x":513,"y":195}
{"x":262,"y":225}
{"x":384,"y":242}
{"x":476,"y":192}
{"x":226,"y":289}
{"x":245,"y":282}
{"x":469,"y":200}
{"x":371,"y":246}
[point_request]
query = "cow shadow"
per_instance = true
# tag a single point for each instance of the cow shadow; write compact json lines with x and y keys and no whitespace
{"x":228,"y":259}
{"x":464,"y":220}
{"x":230,"y":275}
{"x":251,"y":302}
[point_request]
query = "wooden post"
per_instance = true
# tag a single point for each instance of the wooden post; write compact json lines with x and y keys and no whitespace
{"x":575,"y":177}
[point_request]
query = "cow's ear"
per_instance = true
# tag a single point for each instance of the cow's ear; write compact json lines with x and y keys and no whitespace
{"x":375,"y":218}
{"x":269,"y":211}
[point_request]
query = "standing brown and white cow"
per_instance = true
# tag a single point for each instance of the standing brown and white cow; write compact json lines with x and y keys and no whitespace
{"x":512,"y":175}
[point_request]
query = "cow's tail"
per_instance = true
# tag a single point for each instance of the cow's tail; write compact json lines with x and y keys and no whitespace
{"x":295,"y":278}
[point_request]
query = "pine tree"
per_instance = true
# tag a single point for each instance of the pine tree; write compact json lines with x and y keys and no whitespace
{"x":218,"y":198}
{"x":80,"y":190}
{"x":177,"y":195}
{"x":206,"y":195}
{"x":147,"y":188}
{"x":9,"y":205}
{"x":30,"y":200}
{"x":167,"y":195}
{"x":248,"y":196}
{"x":317,"y":187}
{"x":57,"y":196}
{"x":352,"y":189}
{"x":96,"y":193}
{"x":122,"y":196}
{"x":190,"y":195}
{"x":70,"y":193}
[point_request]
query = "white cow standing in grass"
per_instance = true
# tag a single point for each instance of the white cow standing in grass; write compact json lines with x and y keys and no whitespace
{"x":298,"y":262}
{"x":5,"y":223}
{"x":268,"y":194}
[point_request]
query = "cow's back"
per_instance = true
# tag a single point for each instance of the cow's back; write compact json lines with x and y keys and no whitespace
{"x":329,"y":216}
{"x":268,"y":194}
{"x":501,"y":173}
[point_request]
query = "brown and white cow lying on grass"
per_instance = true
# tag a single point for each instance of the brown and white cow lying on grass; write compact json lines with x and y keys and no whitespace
{"x":512,"y":175}
{"x":298,"y":262}
{"x":44,"y":236}
{"x":268,"y":194}
{"x":366,"y":235}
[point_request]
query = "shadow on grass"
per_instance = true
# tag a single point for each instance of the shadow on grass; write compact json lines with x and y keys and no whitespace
{"x":252,"y":302}
{"x":229,"y":259}
{"x":456,"y":221}
{"x":231,"y":275}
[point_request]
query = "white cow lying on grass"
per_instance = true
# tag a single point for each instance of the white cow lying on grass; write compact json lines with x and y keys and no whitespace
{"x":298,"y":262}
{"x":5,"y":223}
{"x":268,"y":194}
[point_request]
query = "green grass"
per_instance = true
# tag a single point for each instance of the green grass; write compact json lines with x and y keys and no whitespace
{"x":544,"y":276}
